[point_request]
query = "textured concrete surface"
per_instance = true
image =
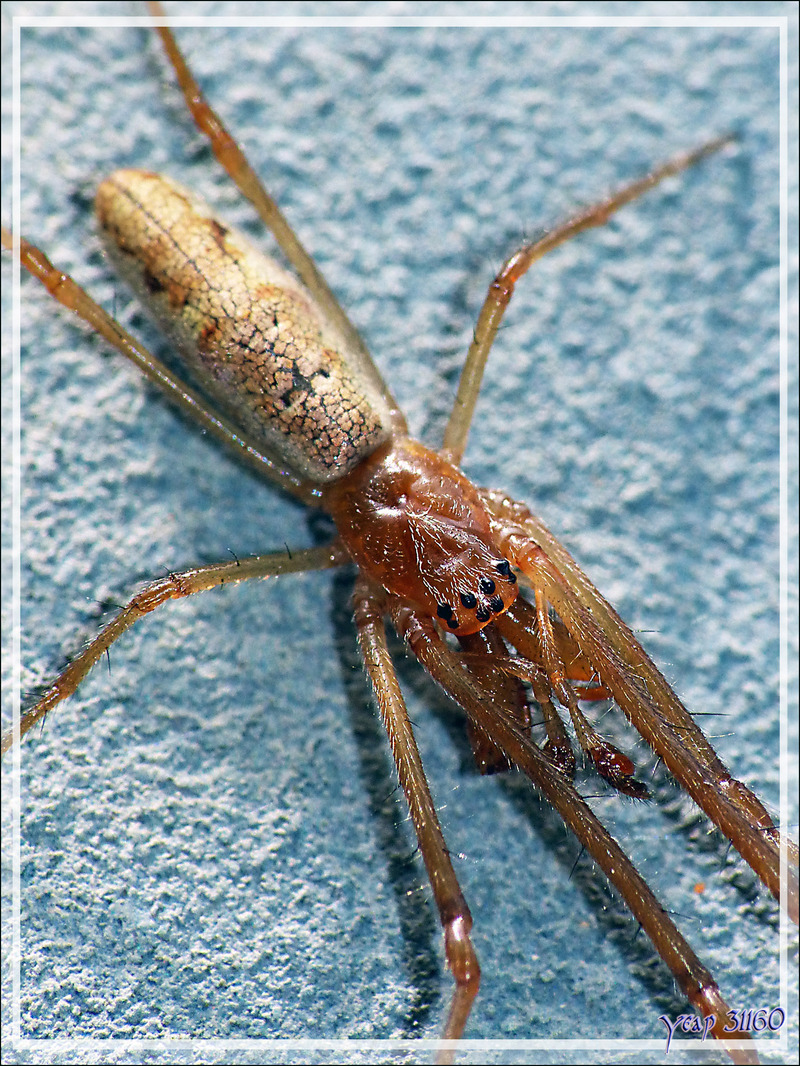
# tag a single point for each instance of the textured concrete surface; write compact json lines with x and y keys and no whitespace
{"x":211,"y":845}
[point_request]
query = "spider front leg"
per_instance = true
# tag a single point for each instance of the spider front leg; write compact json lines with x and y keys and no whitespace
{"x":492,"y":716}
{"x":645,"y":697}
{"x":454,"y":913}
{"x":174,"y":587}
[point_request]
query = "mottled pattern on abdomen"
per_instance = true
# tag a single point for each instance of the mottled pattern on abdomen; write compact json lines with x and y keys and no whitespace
{"x":247,"y":330}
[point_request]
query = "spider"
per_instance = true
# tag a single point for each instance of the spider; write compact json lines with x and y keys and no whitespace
{"x":275,"y":605}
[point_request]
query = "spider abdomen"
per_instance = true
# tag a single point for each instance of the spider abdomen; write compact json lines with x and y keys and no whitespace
{"x":248,"y":331}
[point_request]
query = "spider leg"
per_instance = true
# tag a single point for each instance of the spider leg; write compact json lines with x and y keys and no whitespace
{"x":173,"y":587}
{"x":541,"y":640}
{"x":557,"y":746}
{"x":532,"y":669}
{"x":233,"y":160}
{"x":453,"y":910}
{"x":642,"y":693}
{"x":482,"y":652}
{"x":531,"y":631}
{"x":446,"y":668}
{"x":502,"y":288}
{"x":577,"y":666}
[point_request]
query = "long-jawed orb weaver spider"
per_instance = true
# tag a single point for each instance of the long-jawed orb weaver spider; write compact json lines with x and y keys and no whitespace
{"x":318,"y":748}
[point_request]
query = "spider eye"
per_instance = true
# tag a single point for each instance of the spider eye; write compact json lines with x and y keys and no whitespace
{"x":504,"y":569}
